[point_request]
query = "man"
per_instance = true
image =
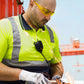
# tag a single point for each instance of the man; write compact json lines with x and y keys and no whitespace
{"x":29,"y":50}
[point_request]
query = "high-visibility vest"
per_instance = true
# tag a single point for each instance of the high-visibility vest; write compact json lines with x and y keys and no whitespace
{"x":17,"y":45}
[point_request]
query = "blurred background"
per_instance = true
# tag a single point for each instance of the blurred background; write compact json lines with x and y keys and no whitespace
{"x":68,"y":23}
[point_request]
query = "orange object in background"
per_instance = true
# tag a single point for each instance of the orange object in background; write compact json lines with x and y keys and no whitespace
{"x":10,"y":8}
{"x":2,"y":8}
{"x":76,"y":48}
{"x":76,"y":43}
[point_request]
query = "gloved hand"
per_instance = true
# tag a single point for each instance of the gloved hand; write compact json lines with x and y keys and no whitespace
{"x":58,"y":79}
{"x":35,"y":78}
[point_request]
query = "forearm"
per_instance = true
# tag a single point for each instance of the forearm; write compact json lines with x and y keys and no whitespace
{"x":8,"y":73}
{"x":57,"y":69}
{"x":14,"y":74}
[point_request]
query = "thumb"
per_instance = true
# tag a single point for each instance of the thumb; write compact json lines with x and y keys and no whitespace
{"x":48,"y":81}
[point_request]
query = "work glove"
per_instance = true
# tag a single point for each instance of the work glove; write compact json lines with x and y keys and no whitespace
{"x":32,"y":78}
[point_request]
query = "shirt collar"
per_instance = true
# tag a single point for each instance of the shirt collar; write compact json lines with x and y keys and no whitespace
{"x":25,"y":25}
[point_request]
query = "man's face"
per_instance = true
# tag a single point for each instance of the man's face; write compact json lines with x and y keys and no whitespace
{"x":42,"y":11}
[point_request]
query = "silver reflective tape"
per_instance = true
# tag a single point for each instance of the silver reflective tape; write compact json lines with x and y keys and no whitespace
{"x":51,"y":34}
{"x":25,"y":63}
{"x":16,"y":40}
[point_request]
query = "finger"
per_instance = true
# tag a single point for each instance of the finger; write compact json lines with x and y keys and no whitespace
{"x":43,"y":81}
{"x":40,"y":82}
{"x":58,"y":80}
{"x":47,"y":81}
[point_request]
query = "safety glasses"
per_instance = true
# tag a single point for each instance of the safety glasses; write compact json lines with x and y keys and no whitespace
{"x":44,"y":10}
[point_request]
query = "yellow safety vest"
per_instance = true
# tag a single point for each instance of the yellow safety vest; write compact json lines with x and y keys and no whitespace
{"x":17,"y":45}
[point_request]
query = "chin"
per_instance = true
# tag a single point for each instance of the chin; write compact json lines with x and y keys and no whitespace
{"x":42,"y":25}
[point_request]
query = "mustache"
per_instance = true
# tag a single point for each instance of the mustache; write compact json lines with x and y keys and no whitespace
{"x":45,"y":20}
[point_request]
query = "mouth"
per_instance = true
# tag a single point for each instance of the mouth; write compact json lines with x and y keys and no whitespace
{"x":45,"y":21}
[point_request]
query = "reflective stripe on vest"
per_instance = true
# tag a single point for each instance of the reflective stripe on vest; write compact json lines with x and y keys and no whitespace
{"x":51,"y":34}
{"x":16,"y":40}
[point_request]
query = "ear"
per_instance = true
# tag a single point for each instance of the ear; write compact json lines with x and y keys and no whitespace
{"x":31,"y":2}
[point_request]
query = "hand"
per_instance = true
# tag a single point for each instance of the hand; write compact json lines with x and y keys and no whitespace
{"x":58,"y":79}
{"x":35,"y":78}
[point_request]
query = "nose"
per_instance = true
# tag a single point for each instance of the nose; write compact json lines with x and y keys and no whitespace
{"x":48,"y":17}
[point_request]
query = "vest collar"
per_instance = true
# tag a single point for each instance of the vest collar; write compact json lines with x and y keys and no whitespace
{"x":25,"y":25}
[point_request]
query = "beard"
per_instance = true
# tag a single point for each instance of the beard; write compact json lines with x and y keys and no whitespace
{"x":42,"y":23}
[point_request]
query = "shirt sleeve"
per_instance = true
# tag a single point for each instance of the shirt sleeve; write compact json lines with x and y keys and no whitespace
{"x":57,"y":56}
{"x":3,"y":41}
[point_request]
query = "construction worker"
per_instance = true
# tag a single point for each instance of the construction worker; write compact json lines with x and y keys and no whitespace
{"x":29,"y":49}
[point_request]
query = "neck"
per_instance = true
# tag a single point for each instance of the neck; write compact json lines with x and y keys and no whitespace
{"x":26,"y":17}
